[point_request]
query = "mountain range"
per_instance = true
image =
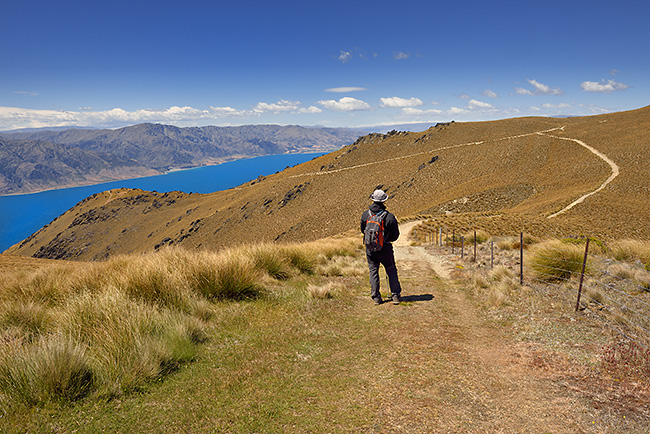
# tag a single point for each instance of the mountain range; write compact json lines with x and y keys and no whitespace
{"x":44,"y":159}
{"x":503,"y":176}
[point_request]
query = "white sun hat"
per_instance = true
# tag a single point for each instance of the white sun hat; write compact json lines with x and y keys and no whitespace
{"x":379,"y":196}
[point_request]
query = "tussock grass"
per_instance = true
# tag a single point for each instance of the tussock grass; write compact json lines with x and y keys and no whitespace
{"x":110,"y":328}
{"x":631,"y":250}
{"x":622,"y":271}
{"x":556,"y":261}
{"x":481,"y":237}
{"x":326,"y":290}
{"x":54,"y":368}
{"x":511,"y":243}
{"x":499,"y":286}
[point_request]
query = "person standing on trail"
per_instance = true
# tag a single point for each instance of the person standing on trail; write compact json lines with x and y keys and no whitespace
{"x":380,"y":230}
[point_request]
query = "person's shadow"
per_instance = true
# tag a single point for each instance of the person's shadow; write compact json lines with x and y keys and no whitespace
{"x":421,"y":297}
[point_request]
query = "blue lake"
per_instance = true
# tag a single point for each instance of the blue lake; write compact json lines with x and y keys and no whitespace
{"x":22,"y":215}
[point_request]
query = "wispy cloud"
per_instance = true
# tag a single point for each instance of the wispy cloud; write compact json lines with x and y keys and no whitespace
{"x":490,"y":94}
{"x":608,"y":86}
{"x":398,"y":102}
{"x":345,"y":56}
{"x":400,"y":55}
{"x":345,"y":104}
{"x":25,"y":92}
{"x":539,"y":89}
{"x":345,"y":89}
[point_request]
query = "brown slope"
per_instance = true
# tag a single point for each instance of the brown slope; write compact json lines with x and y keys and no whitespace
{"x":484,"y":168}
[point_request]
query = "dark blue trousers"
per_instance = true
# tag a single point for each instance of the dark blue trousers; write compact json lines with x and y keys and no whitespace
{"x":385,"y":257}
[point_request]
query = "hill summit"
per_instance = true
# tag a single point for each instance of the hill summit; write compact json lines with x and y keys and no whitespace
{"x":509,"y":175}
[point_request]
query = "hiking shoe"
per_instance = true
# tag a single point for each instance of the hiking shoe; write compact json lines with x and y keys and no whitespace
{"x":377,"y":300}
{"x":396,"y":299}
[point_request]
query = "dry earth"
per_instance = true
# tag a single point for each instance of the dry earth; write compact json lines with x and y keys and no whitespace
{"x":452,"y":370}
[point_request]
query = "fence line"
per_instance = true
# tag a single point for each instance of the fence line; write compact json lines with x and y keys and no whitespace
{"x":609,"y":298}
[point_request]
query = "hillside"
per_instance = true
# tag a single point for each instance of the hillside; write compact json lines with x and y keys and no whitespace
{"x":31,"y":161}
{"x":507,"y":175}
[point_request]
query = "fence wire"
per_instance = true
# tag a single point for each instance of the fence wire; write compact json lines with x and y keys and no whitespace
{"x":618,"y":299}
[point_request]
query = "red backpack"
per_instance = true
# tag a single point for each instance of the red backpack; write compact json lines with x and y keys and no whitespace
{"x":373,"y":235}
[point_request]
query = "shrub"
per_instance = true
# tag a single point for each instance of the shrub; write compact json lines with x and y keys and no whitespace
{"x":556,"y":261}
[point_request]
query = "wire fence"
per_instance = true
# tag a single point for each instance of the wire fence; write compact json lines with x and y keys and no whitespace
{"x":614,"y":292}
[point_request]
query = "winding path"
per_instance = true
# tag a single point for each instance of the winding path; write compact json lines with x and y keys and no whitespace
{"x":614,"y":166}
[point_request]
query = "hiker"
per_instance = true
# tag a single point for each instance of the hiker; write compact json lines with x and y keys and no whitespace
{"x":379,"y":249}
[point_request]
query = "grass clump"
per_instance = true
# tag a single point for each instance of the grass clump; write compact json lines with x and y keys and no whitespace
{"x":227,"y":276}
{"x":54,"y":368}
{"x":631,"y":250}
{"x":554,"y":261}
{"x":481,"y":237}
{"x":270,"y":260}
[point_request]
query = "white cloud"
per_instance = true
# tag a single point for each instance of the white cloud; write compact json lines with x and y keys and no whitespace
{"x":464,"y":96}
{"x":419,"y":112}
{"x":474,"y":104}
{"x":345,"y":89}
{"x":522,"y":91}
{"x":344,"y":56}
{"x":490,"y":94}
{"x":228,"y":112}
{"x":556,"y":106}
{"x":400,"y":55}
{"x":14,"y":118}
{"x":608,"y":86}
{"x":310,"y":110}
{"x":457,"y":111}
{"x":345,"y":104}
{"x":544,"y":89}
{"x":277,"y":107}
{"x":398,"y":102}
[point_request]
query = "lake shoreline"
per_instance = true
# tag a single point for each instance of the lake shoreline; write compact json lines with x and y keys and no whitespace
{"x":209,"y":163}
{"x":24,"y":214}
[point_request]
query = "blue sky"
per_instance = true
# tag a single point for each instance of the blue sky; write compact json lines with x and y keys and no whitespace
{"x":334,"y":63}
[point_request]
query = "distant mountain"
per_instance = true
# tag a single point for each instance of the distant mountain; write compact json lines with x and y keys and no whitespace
{"x":31,"y":161}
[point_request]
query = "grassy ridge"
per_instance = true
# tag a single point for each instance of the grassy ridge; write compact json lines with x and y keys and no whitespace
{"x":68,"y":331}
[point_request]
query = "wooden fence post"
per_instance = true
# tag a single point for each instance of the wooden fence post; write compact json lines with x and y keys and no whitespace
{"x":462,"y":247}
{"x":582,"y":274}
{"x":521,"y":258}
{"x":474,"y":246}
{"x":491,"y":254}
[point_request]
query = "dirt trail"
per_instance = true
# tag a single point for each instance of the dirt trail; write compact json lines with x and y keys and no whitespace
{"x":451,"y":370}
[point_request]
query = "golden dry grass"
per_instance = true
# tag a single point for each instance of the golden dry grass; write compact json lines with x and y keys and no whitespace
{"x":72,"y":329}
